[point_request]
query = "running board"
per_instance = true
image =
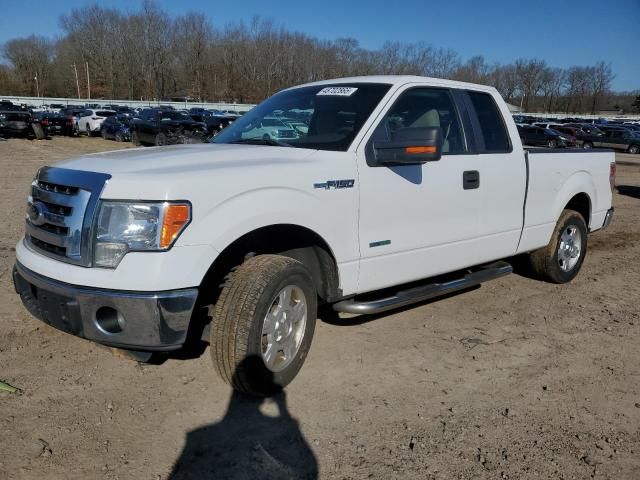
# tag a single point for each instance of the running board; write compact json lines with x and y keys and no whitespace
{"x":424,"y":292}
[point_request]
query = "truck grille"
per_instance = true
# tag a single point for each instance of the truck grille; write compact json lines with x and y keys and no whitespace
{"x":60,"y":213}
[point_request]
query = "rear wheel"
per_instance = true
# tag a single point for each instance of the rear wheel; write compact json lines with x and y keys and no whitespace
{"x":263,"y":324}
{"x":587,"y":145}
{"x":561,"y":260}
{"x":103,"y":133}
{"x":552,"y":144}
{"x":634,"y":149}
{"x":135,"y":139}
{"x":119,"y":137}
{"x":88,"y":130}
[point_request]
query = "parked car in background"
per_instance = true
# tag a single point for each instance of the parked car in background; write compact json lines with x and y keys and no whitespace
{"x":130,"y":112}
{"x":621,"y":139}
{"x":572,"y":133}
{"x":17,"y":122}
{"x":156,"y":126}
{"x":73,"y":113}
{"x":56,"y":123}
{"x":586,"y":128}
{"x":90,"y":120}
{"x":538,"y":136}
{"x":116,"y":127}
{"x":198,"y":113}
{"x":271,"y":128}
{"x":56,"y":107}
{"x":216,"y":121}
{"x":570,"y":140}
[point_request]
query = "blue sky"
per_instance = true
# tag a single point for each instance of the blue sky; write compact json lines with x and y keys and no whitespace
{"x":563,"y":32}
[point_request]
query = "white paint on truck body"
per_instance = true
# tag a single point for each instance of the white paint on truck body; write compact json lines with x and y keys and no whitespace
{"x":431,"y":224}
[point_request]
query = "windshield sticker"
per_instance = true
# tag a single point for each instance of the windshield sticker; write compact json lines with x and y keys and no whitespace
{"x":338,"y":91}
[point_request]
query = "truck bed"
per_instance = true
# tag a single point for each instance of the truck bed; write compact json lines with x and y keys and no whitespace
{"x":552,"y":177}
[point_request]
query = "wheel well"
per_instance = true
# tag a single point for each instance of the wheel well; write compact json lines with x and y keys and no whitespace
{"x":292,"y":241}
{"x":581,"y":203}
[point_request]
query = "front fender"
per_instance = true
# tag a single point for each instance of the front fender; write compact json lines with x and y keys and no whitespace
{"x":332,"y":217}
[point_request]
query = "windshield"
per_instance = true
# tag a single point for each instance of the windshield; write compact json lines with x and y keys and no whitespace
{"x":323,"y":117}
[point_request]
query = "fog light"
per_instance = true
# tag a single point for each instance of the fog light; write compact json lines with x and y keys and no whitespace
{"x":109,"y":320}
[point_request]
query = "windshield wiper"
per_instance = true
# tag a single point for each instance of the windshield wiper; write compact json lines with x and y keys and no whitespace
{"x":262,"y":141}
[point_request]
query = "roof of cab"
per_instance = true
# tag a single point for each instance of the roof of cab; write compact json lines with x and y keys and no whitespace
{"x":398,"y":80}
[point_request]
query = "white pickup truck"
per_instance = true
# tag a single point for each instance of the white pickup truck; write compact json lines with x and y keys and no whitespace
{"x":393,"y":182}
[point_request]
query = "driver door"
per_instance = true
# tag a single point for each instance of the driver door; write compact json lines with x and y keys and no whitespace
{"x":419,"y":220}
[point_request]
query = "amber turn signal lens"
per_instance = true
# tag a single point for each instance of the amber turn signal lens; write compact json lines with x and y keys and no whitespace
{"x":176,"y":216}
{"x":420,"y":150}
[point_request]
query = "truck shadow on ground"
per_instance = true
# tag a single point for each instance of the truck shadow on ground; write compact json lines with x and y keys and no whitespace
{"x":629,"y":191}
{"x":248,"y":444}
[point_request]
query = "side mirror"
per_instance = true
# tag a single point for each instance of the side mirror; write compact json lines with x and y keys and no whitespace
{"x":410,"y":146}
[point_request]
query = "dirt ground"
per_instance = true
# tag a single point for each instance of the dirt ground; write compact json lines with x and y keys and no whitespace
{"x":516,"y":379}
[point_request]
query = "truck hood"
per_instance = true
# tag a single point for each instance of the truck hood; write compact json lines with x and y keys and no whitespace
{"x":184,"y":171}
{"x":185,"y":159}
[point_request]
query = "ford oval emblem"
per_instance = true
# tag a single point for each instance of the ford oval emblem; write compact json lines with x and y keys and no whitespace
{"x":36,"y":212}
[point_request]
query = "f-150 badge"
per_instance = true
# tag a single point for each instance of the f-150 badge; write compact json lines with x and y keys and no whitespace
{"x":329,"y":184}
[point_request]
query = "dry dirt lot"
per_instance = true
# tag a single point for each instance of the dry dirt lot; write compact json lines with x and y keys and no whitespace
{"x":517,"y":379}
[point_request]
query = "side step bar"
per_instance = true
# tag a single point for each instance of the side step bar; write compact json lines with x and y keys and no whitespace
{"x":424,"y":292}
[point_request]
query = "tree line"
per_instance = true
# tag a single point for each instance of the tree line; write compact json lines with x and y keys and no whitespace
{"x":148,"y":55}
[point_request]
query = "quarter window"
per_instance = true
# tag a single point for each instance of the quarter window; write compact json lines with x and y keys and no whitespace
{"x":496,"y":138}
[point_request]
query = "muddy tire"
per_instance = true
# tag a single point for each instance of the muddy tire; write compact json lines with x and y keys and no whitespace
{"x":39,"y":131}
{"x":135,"y":139}
{"x":561,"y":260}
{"x":263,"y":324}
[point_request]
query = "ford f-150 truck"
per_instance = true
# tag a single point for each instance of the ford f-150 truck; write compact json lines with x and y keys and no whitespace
{"x":401,"y":189}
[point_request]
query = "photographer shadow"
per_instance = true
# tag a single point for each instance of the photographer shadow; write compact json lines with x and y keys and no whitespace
{"x":248,"y":444}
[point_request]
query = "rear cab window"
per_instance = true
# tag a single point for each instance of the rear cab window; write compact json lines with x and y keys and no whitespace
{"x":490,"y":123}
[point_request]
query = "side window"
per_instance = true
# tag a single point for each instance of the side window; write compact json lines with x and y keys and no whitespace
{"x":424,"y":107}
{"x":492,"y":126}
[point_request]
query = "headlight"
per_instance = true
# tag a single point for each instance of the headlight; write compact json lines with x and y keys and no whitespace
{"x":145,"y":226}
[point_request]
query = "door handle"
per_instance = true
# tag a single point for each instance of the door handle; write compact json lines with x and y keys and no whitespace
{"x":470,"y":179}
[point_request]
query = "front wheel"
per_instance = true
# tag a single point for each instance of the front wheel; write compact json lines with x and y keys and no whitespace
{"x":263,"y":324}
{"x":561,"y":260}
{"x":135,"y":139}
{"x":552,"y":144}
{"x":587,"y":145}
{"x":635,"y":149}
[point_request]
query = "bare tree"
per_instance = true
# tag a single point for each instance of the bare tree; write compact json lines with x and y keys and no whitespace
{"x":529,"y":73}
{"x":601,"y":76}
{"x":31,"y":59}
{"x":148,"y":55}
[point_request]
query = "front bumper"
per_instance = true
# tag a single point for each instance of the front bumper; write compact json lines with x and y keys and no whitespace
{"x":143,"y":321}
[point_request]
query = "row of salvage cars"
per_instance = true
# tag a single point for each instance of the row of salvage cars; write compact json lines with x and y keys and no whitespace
{"x":617,"y":135}
{"x":147,"y":126}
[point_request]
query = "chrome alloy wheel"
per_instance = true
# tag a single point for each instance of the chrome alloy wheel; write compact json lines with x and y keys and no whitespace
{"x":570,"y":248}
{"x":283,"y":328}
